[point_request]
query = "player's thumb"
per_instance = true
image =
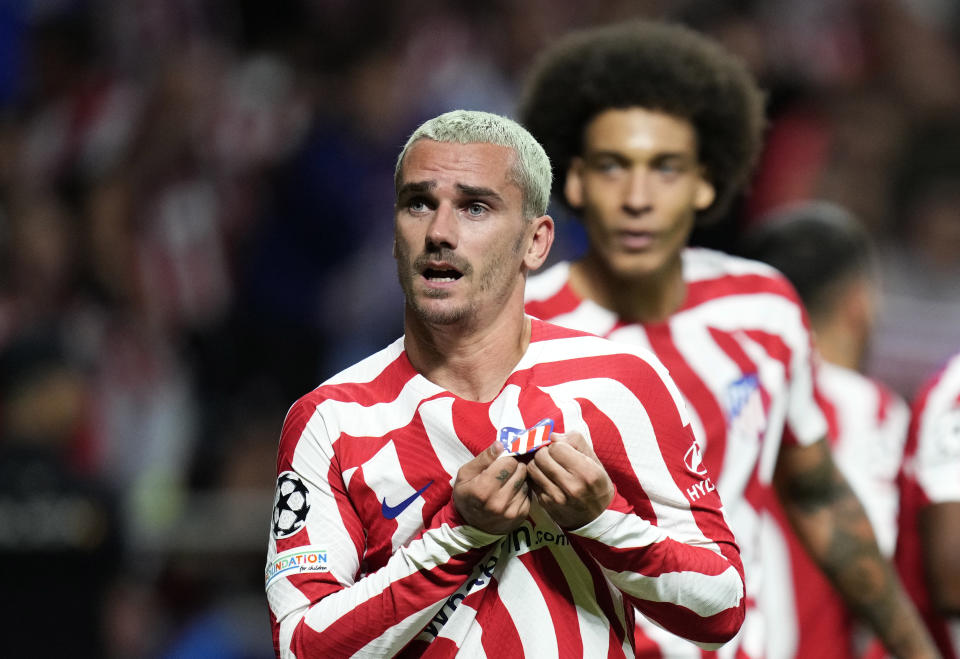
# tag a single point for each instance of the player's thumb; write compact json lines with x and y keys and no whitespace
{"x":490,"y":454}
{"x":483,"y":460}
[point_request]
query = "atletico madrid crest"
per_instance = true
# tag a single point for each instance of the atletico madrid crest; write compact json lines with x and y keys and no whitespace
{"x":518,"y":441}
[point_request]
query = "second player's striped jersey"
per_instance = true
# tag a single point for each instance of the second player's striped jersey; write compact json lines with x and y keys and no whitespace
{"x":930,"y":475}
{"x":739,"y":350}
{"x":368,"y":555}
{"x":867,"y":432}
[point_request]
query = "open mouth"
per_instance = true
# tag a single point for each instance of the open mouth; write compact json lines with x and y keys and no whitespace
{"x":440,"y":275}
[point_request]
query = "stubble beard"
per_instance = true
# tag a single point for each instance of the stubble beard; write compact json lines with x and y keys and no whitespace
{"x":408,"y":272}
{"x":489,"y":279}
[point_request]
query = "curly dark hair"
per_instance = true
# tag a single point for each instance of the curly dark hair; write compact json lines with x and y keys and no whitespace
{"x":657,"y":66}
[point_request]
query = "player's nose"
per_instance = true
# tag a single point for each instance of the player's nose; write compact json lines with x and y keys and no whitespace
{"x":637,"y":197}
{"x":444,"y":227}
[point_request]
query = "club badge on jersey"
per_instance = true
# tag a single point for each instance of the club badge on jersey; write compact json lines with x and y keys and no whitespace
{"x":518,"y":441}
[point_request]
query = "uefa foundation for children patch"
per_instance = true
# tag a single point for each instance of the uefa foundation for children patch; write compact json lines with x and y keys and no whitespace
{"x":296,"y":561}
{"x":518,"y":441}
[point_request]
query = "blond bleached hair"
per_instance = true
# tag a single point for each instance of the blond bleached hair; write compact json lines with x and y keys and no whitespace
{"x":531,"y":169}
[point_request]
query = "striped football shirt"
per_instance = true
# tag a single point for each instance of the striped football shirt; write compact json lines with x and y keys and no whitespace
{"x":368,"y":556}
{"x":739,"y":349}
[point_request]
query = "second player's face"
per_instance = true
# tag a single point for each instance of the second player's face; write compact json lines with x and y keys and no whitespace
{"x":460,"y":236}
{"x":638,"y":184}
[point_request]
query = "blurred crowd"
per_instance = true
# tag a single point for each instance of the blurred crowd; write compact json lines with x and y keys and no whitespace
{"x":195,"y":230}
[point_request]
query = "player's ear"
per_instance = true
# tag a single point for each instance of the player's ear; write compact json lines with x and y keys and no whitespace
{"x":858,"y":306}
{"x":540,"y":239}
{"x":573,"y":188}
{"x":705,"y":194}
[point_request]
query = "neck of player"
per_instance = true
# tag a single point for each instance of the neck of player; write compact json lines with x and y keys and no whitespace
{"x":648,"y":297}
{"x":472,"y":362}
{"x":839,"y":346}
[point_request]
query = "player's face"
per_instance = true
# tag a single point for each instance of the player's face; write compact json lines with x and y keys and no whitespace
{"x":639,"y":184}
{"x":461,"y":242}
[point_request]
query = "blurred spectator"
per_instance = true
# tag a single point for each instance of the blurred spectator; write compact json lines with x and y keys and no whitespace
{"x":76,"y":115}
{"x":826,"y":254}
{"x":39,"y":271}
{"x":60,"y":539}
{"x":213,"y":572}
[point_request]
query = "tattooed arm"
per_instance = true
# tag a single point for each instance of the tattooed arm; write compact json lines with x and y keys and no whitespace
{"x":833,"y":526}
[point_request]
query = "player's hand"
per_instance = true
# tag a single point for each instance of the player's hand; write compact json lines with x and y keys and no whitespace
{"x":491,"y":491}
{"x":569,"y":481}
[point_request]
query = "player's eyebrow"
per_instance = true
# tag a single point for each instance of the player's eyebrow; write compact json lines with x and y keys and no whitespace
{"x":415,"y":187}
{"x":605,"y":153}
{"x":489,"y":195}
{"x":479,"y":192}
{"x":621,"y":156}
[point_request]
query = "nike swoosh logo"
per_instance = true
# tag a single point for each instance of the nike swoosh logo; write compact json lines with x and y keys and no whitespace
{"x":391,"y":512}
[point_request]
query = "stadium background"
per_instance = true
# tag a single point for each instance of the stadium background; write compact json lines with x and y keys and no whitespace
{"x":195,"y":228}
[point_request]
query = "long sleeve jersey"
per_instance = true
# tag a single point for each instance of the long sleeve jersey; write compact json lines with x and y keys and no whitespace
{"x":369,"y":557}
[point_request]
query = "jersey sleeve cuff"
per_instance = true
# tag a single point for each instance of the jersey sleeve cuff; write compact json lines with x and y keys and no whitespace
{"x":606,"y":520}
{"x":471,"y":535}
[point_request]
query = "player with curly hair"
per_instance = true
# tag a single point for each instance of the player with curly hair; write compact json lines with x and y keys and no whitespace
{"x":650,"y":128}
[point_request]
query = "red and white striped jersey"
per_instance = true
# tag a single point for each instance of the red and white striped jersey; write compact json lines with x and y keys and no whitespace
{"x":739,"y":350}
{"x":930,"y":475}
{"x":867,"y":432}
{"x":368,"y":555}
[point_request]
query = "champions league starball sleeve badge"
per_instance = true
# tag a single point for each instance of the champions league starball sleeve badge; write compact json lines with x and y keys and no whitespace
{"x":518,"y":441}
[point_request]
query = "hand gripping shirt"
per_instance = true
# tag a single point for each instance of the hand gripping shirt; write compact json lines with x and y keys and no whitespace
{"x":368,"y":556}
{"x":739,"y":350}
{"x":867,"y":433}
{"x":930,"y":475}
